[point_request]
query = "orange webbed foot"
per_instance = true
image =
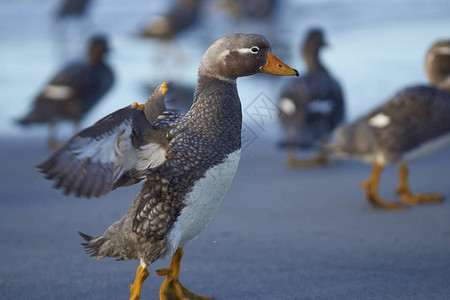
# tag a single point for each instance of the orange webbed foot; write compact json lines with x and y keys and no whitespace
{"x":376,"y":200}
{"x":414,"y":199}
{"x":172,"y":287}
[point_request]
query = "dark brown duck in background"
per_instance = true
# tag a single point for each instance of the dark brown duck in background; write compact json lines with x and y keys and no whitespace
{"x":311,"y":106}
{"x":413,"y":123}
{"x":250,"y":9}
{"x":72,"y":8}
{"x":182,"y":15}
{"x":178,"y":98}
{"x":74,"y":91}
{"x":437,"y":65}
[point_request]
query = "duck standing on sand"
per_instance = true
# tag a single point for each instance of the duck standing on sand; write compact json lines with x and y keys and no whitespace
{"x":73,"y":92}
{"x":310,"y":106}
{"x":412,"y":123}
{"x":186,"y":161}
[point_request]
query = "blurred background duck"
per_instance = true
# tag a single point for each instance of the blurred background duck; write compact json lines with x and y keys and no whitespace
{"x":179,"y":97}
{"x":311,"y":106}
{"x":72,"y":8}
{"x":249,"y":9}
{"x":182,"y":15}
{"x":437,"y":65}
{"x":164,"y":31}
{"x":73,"y":91}
{"x":414,"y":122}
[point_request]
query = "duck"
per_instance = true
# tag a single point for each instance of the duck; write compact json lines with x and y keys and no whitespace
{"x":310,"y":106}
{"x":182,"y":15}
{"x":72,"y":8}
{"x":411,"y":124}
{"x":250,"y":9}
{"x":73,"y":91}
{"x":437,"y":65}
{"x":186,"y":162}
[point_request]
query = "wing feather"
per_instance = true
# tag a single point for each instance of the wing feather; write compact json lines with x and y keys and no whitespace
{"x":95,"y":159}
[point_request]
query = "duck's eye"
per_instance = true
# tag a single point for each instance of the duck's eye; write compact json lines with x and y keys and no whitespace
{"x":254,"y":49}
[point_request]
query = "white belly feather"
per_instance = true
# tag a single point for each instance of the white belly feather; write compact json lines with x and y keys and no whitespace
{"x":203,"y":201}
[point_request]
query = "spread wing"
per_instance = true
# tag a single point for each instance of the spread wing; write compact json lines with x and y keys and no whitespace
{"x":116,"y":151}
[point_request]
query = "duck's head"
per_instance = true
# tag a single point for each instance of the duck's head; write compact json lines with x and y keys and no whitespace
{"x":441,"y":46}
{"x":437,"y":65}
{"x":238,"y":55}
{"x":98,"y":47}
{"x":314,"y":41}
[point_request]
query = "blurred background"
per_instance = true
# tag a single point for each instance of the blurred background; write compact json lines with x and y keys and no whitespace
{"x":376,"y":48}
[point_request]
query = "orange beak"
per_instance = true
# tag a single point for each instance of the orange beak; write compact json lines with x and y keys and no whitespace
{"x":275,"y":66}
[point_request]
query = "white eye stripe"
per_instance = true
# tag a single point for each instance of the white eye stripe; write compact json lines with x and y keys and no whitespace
{"x":241,"y":50}
{"x":249,"y":50}
{"x":244,"y":50}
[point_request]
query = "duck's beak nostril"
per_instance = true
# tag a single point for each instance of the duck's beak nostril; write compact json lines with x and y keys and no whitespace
{"x":275,"y":66}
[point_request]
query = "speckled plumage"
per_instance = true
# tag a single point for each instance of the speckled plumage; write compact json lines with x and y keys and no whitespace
{"x":171,"y":153}
{"x":414,"y":116}
{"x":193,"y":149}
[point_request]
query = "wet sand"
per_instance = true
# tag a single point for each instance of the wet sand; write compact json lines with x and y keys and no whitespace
{"x":279,"y":234}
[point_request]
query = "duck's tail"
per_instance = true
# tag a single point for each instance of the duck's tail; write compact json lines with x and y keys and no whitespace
{"x":28,"y":119}
{"x":109,"y":244}
{"x":95,"y":246}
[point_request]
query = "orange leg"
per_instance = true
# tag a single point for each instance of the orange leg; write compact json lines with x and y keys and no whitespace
{"x":371,"y":189}
{"x":171,"y":287}
{"x":404,"y":191}
{"x":52,"y":142}
{"x":320,"y":159}
{"x":293,"y":162}
{"x":135,"y":288}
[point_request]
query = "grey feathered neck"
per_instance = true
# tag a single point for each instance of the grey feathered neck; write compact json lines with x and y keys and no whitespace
{"x":217,"y":108}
